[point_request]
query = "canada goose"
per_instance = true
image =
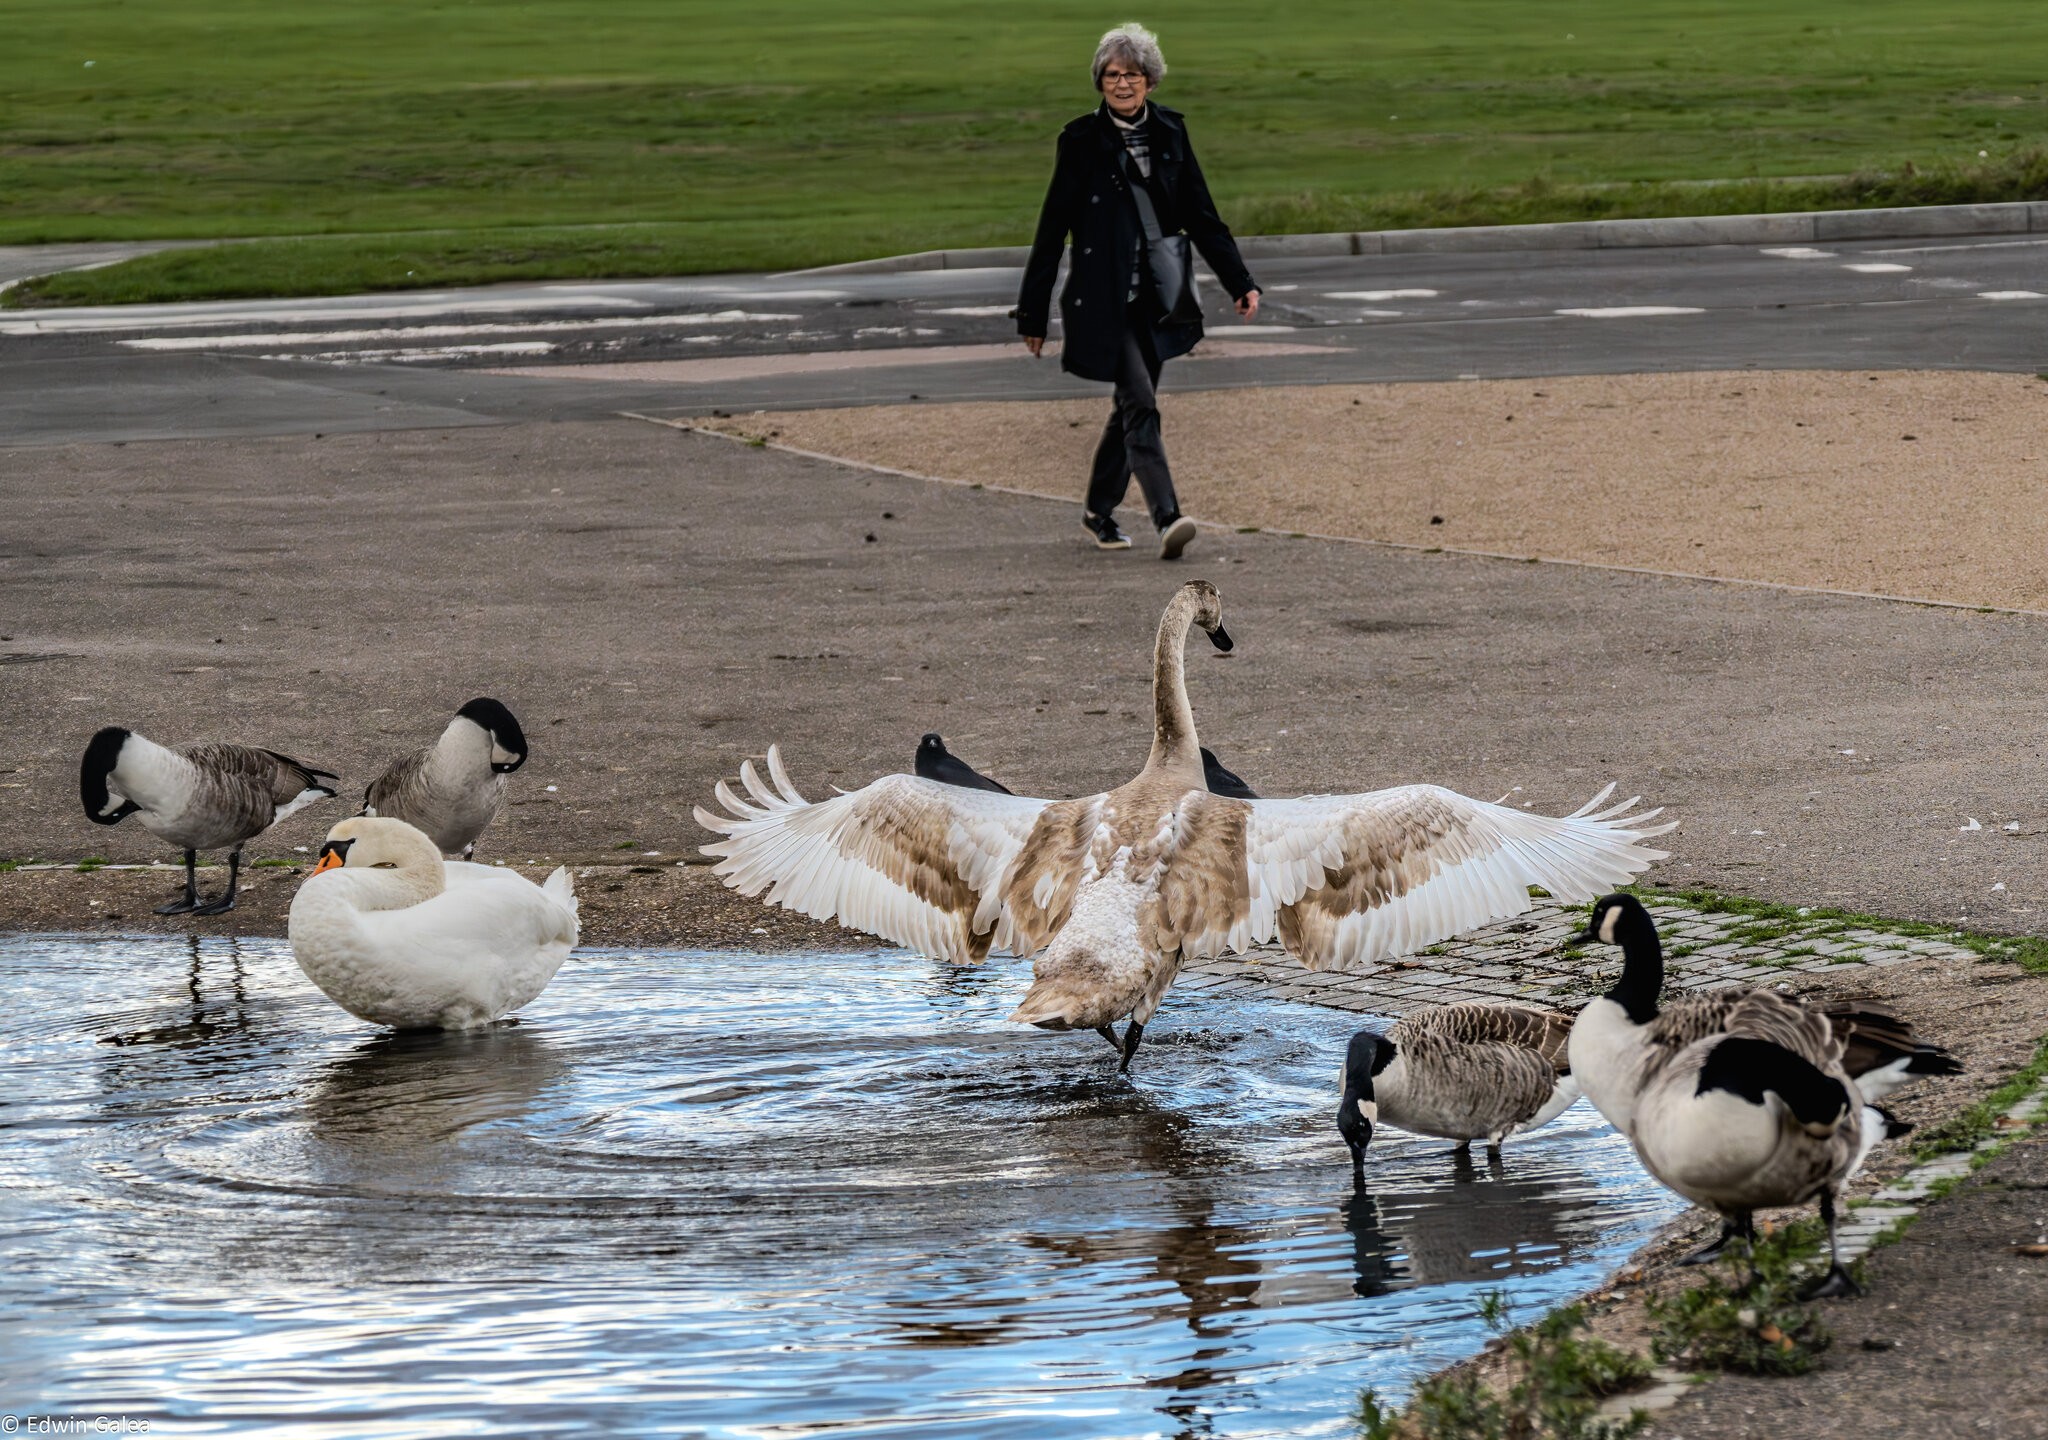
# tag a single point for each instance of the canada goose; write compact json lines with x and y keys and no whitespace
{"x":452,"y":788}
{"x":200,"y":797}
{"x":1622,"y":1035}
{"x":935,"y":762}
{"x":1738,"y":1122}
{"x":397,"y":936}
{"x":1459,"y":1072}
{"x":1118,"y":889}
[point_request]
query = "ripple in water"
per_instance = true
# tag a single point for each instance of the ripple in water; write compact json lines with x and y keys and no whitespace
{"x":730,"y":1196}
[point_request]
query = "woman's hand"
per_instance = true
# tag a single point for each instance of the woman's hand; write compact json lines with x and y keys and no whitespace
{"x":1034,"y":343}
{"x":1247,"y":307}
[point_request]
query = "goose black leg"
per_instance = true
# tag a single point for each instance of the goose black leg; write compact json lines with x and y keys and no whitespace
{"x":1730,"y":1233}
{"x":227,"y":901}
{"x":1836,"y":1284}
{"x":1108,"y":1032}
{"x":190,"y":901}
{"x":1132,"y":1032}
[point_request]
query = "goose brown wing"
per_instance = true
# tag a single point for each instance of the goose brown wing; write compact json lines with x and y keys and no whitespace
{"x":1544,"y":1033}
{"x":1784,"y":1022}
{"x":915,"y":861}
{"x":1346,"y":880}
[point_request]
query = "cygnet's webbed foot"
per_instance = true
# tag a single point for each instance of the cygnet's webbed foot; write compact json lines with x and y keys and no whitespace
{"x":215,"y":907}
{"x":183,"y":905}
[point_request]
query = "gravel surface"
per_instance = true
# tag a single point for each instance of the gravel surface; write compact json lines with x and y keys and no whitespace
{"x":1921,"y":484}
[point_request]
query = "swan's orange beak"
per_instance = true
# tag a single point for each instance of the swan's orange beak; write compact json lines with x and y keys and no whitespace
{"x":332,"y":857}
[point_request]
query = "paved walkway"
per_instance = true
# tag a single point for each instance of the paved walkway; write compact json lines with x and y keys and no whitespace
{"x":1527,"y":960}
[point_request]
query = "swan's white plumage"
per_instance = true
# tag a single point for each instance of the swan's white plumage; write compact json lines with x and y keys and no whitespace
{"x":1346,"y":880}
{"x":915,"y":861}
{"x":481,"y":946}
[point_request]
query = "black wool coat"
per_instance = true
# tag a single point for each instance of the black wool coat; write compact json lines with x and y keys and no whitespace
{"x":1090,"y":199}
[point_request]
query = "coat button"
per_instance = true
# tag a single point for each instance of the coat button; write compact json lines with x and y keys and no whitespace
{"x":1079,"y":302}
{"x":1094,"y":199}
{"x":1087,"y":249}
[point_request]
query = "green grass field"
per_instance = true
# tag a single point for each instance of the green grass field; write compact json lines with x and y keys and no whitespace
{"x":551,"y":138}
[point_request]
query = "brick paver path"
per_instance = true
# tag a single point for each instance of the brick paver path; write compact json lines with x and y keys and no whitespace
{"x":1527,"y":960}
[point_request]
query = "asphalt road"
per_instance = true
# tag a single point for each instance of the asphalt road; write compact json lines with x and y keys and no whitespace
{"x":429,"y":358}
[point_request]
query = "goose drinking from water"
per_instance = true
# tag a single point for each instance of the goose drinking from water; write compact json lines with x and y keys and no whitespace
{"x":1118,"y":890}
{"x":1458,"y":1072}
{"x":198,"y":797}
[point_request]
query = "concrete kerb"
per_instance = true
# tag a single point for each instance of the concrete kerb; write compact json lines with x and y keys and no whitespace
{"x":1790,"y":228}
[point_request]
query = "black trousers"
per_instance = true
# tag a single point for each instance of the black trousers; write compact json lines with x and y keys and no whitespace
{"x":1130,"y":441}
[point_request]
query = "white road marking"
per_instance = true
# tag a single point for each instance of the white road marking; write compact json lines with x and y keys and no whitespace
{"x":179,"y":317}
{"x":445,"y":332}
{"x":976,"y":312}
{"x":738,"y":294}
{"x":1878,"y":267}
{"x":1256,"y":330}
{"x":1799,"y":252}
{"x":1372,"y":295}
{"x":1380,"y":314}
{"x":2011,"y":295}
{"x":1630,"y":312}
{"x":409,"y":356}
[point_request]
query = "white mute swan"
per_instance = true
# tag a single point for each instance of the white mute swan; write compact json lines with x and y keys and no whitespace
{"x":1120,"y":888}
{"x":200,"y":797}
{"x":394,"y":934}
{"x":452,"y":788}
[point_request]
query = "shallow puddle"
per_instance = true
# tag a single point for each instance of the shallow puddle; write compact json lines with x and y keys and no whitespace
{"x":730,"y":1196}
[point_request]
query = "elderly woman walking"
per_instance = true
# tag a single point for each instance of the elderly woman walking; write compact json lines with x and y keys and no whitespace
{"x":1127,"y":188}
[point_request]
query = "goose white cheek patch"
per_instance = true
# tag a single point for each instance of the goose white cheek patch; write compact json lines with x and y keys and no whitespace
{"x":1370,"y":1110}
{"x":500,"y":756}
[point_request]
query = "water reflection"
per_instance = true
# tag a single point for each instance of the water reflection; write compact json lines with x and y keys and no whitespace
{"x":393,"y":1095}
{"x":731,"y":1196}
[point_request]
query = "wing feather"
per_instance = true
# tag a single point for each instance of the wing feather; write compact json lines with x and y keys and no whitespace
{"x":913,"y":861}
{"x":1347,"y":880}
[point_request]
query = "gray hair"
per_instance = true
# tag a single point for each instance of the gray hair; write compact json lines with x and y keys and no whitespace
{"x":1137,"y":47}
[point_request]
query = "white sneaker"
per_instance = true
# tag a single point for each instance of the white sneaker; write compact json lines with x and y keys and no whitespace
{"x":1176,"y":537}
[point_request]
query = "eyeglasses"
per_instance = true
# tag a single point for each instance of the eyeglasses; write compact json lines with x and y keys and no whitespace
{"x":1123,"y":77}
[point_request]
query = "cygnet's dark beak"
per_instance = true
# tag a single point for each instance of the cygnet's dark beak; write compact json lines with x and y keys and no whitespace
{"x":1220,"y":638}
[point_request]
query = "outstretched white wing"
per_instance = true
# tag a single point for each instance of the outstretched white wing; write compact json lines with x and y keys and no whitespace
{"x":911,"y":860}
{"x":1346,"y":880}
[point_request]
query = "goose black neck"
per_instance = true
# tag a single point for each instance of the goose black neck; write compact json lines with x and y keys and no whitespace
{"x":1642,"y":974}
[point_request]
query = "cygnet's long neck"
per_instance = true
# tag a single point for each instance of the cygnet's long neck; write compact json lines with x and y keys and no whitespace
{"x":1174,"y":743}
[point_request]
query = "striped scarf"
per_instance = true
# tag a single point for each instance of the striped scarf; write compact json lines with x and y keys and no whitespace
{"x":1137,"y":138}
